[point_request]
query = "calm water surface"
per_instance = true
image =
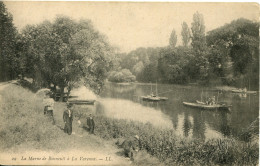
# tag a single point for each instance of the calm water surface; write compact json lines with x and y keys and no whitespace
{"x":124,"y":102}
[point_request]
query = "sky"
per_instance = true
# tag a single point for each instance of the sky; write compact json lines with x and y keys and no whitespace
{"x":129,"y":25}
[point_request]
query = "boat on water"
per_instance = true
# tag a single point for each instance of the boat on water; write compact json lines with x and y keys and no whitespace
{"x":243,"y":91}
{"x":154,"y":97}
{"x":150,"y":98}
{"x":203,"y":105}
{"x":82,"y":102}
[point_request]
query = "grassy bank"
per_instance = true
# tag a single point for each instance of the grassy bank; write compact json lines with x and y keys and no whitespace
{"x":173,"y":150}
{"x":24,"y":127}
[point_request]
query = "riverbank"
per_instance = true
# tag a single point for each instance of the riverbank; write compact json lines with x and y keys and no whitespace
{"x":174,"y":150}
{"x":24,"y":128}
{"x":25,"y":131}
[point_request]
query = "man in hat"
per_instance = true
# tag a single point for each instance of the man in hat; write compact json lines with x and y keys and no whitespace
{"x":91,"y":124}
{"x":68,"y":118}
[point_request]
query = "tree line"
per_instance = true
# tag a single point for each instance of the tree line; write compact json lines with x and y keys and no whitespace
{"x":63,"y":53}
{"x":228,"y":55}
{"x":68,"y":53}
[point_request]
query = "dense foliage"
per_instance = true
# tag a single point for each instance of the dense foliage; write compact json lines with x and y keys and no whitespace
{"x":121,"y":76}
{"x":62,"y":53}
{"x":171,"y":149}
{"x":228,"y":55}
{"x":235,"y":52}
{"x":66,"y":52}
{"x":9,"y":59}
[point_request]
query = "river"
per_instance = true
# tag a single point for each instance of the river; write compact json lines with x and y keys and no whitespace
{"x":123,"y":101}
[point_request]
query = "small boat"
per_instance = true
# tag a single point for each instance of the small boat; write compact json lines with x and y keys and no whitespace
{"x":238,"y":90}
{"x":243,"y":91}
{"x":153,"y":97}
{"x":150,"y":98}
{"x":82,"y":102}
{"x":203,"y":105}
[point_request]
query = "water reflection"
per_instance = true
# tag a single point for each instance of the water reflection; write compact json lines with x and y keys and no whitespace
{"x":125,"y":103}
{"x":125,"y":109}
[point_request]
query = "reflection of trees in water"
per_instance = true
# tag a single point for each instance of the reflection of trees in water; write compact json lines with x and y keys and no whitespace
{"x":114,"y":90}
{"x":224,"y":124}
{"x":124,"y":88}
{"x":199,"y":125}
{"x":187,"y":124}
{"x":242,"y":114}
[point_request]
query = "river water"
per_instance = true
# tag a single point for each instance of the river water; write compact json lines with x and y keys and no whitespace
{"x":124,"y":102}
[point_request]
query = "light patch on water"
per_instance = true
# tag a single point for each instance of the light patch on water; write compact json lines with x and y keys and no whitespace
{"x":180,"y":126}
{"x":125,"y":109}
{"x":83,"y":93}
{"x":210,"y":134}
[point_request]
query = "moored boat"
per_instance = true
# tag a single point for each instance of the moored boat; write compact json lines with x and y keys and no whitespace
{"x":150,"y":98}
{"x":154,"y":97}
{"x":82,"y":102}
{"x":203,"y":105}
{"x":243,"y":91}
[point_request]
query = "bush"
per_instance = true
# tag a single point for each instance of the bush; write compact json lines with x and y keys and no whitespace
{"x":174,"y":150}
{"x":121,"y":76}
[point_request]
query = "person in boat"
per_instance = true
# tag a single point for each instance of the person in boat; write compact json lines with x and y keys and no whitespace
{"x":213,"y":100}
{"x":48,"y":107}
{"x":208,"y":101}
{"x":68,"y":118}
{"x":153,"y":95}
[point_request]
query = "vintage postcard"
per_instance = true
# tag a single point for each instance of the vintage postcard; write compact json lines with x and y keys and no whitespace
{"x":129,"y":83}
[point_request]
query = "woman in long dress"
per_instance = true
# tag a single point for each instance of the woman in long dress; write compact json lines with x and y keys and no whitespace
{"x":68,"y":118}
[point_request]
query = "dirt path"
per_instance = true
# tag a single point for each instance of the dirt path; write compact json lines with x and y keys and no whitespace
{"x":87,"y":149}
{"x":93,"y":145}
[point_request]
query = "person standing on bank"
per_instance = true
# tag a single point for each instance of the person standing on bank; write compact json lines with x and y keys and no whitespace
{"x":68,"y":118}
{"x":91,"y":124}
{"x":48,"y":107}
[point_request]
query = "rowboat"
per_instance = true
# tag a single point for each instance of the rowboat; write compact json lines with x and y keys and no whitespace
{"x":150,"y":98}
{"x":82,"y":102}
{"x":243,"y":91}
{"x":203,"y":105}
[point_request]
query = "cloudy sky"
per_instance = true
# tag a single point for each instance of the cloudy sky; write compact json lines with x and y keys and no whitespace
{"x":132,"y":25}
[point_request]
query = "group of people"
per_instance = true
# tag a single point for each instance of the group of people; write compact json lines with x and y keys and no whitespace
{"x":211,"y":101}
{"x":67,"y":115}
{"x":130,"y":146}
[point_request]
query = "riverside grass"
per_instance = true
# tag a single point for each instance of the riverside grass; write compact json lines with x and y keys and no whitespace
{"x":174,"y":150}
{"x":26,"y":127}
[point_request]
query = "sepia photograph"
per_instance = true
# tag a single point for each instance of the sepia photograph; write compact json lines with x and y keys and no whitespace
{"x":129,"y":83}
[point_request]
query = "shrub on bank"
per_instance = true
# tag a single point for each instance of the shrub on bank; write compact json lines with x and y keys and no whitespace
{"x":22,"y":124}
{"x":171,"y":149}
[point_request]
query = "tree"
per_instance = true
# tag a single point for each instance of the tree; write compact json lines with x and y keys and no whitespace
{"x":235,"y":52}
{"x":198,"y":32}
{"x":185,"y":33}
{"x":121,"y":76}
{"x":173,"y":39}
{"x":199,"y":47}
{"x":172,"y":64}
{"x":67,"y":52}
{"x":8,"y":58}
